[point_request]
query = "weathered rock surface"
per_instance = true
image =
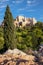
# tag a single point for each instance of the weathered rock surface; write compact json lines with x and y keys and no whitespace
{"x":17,"y":57}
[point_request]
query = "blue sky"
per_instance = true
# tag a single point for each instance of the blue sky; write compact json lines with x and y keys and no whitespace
{"x":27,"y":8}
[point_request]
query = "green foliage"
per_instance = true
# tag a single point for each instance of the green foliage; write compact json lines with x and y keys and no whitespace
{"x":1,"y":38}
{"x":29,"y":37}
{"x":9,"y":30}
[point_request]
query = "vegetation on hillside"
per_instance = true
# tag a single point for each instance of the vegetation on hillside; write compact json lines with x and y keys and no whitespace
{"x":29,"y":37}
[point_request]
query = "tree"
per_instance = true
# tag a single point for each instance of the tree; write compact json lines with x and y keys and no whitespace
{"x":1,"y":38}
{"x":9,"y":30}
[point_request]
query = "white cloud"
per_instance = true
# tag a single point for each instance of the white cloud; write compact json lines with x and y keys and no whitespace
{"x":13,"y":1}
{"x":26,"y":9}
{"x":17,"y":1}
{"x":32,"y":10}
{"x":21,"y":9}
{"x":29,"y":2}
{"x":2,"y":3}
{"x":32,"y":3}
{"x":3,"y":0}
{"x":2,"y":6}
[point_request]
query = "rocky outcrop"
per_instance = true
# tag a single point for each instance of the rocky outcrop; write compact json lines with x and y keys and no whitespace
{"x":17,"y":57}
{"x":22,"y":21}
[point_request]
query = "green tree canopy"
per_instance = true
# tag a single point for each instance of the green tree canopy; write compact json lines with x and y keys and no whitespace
{"x":9,"y":30}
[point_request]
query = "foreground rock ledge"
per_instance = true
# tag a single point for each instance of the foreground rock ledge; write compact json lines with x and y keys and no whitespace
{"x":17,"y":58}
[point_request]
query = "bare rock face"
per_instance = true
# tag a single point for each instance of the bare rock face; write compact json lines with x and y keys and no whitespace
{"x":17,"y":57}
{"x":15,"y":51}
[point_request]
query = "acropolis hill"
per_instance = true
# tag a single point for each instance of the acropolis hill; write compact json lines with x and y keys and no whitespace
{"x":22,"y":21}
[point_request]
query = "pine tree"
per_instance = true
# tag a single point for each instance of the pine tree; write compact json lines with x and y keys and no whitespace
{"x":9,"y":30}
